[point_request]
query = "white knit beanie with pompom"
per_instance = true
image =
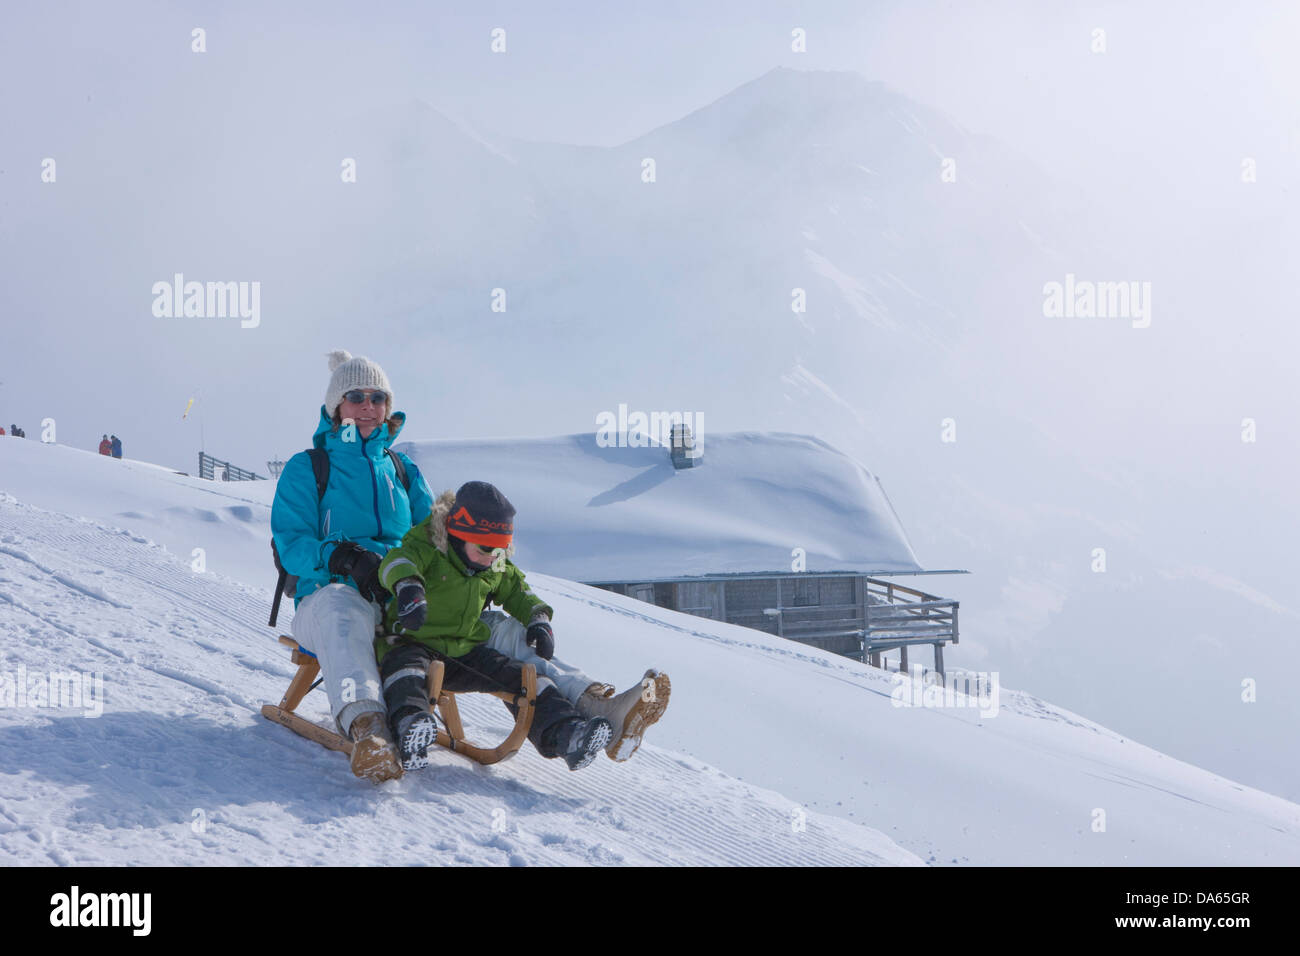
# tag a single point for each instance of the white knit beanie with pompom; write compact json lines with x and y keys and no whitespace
{"x":350,"y":373}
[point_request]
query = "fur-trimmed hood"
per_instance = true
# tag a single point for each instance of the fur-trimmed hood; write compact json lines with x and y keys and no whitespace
{"x":438,"y":523}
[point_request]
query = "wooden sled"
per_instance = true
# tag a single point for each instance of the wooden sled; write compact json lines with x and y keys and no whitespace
{"x":440,"y":701}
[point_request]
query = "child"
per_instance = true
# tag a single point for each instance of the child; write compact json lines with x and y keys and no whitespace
{"x":442,"y":575}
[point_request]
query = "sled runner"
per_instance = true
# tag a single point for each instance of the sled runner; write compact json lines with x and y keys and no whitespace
{"x":441,"y":702}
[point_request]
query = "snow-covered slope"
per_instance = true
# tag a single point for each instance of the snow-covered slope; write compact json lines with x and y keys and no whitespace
{"x":770,"y":752}
{"x":229,"y":521}
{"x":157,"y":754}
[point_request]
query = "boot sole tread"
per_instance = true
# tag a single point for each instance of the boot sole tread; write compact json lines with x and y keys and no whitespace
{"x":643,"y":715}
{"x":419,"y":738}
{"x":595,"y":743}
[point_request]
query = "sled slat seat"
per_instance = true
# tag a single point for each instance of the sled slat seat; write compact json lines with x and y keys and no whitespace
{"x":441,"y":702}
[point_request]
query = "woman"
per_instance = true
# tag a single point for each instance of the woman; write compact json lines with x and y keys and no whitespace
{"x":334,"y":542}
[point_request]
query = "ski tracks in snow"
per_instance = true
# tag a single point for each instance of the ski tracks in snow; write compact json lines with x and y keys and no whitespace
{"x":181,"y":769}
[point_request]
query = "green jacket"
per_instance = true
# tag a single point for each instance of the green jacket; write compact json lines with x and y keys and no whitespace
{"x":456,"y":596}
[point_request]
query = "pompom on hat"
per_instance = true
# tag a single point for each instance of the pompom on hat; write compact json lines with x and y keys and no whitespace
{"x":350,"y":373}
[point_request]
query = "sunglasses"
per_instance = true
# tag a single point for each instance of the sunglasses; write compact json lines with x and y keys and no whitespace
{"x":358,"y":397}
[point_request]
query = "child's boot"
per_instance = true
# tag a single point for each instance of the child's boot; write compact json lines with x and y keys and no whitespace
{"x":416,"y":732}
{"x":405,"y":671}
{"x":630,"y":712}
{"x":585,"y":739}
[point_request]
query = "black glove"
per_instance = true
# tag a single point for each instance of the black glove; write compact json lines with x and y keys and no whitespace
{"x":541,"y":637}
{"x":411,"y":606}
{"x":350,"y":560}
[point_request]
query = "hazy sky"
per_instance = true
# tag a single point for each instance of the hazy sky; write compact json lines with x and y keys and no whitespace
{"x":1181,"y":94}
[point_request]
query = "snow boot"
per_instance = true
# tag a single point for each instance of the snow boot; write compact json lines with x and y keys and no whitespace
{"x":373,"y":756}
{"x":416,"y":733}
{"x":586,"y":738}
{"x":630,"y":712}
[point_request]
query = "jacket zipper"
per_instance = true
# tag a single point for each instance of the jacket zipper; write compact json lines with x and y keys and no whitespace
{"x":374,"y":484}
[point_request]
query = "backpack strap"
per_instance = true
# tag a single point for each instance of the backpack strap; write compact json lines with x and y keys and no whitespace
{"x":320,"y":467}
{"x":279,"y":587}
{"x":399,"y":466}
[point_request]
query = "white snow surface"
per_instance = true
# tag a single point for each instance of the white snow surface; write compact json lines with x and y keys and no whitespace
{"x":593,"y":513}
{"x":770,"y":752}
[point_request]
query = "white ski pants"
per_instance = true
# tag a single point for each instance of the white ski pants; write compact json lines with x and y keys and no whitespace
{"x":508,"y":638}
{"x":338,"y":625}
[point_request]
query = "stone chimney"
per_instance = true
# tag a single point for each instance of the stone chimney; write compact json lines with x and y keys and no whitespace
{"x":682,"y":448}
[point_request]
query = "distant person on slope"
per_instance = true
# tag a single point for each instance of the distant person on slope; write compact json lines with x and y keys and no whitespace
{"x":117,"y":447}
{"x":106,"y":447}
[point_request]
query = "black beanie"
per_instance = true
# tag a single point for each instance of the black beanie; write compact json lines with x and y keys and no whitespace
{"x":482,"y":515}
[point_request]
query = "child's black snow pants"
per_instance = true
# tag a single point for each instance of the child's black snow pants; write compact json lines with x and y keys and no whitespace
{"x":405,"y":673}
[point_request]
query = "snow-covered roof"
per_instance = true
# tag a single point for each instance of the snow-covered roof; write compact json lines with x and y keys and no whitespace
{"x":597,"y":514}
